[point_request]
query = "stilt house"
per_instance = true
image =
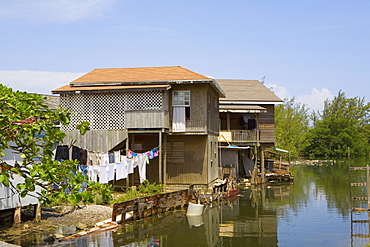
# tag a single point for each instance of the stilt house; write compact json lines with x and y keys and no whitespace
{"x":247,"y":125}
{"x":138,"y":109}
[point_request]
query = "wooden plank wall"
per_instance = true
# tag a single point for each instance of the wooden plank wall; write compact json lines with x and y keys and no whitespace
{"x":194,"y":167}
{"x":198,"y":107}
{"x":147,"y":119}
{"x":95,"y":140}
{"x":267,"y":125}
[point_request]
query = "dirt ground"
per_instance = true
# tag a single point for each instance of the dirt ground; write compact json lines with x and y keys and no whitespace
{"x":86,"y":216}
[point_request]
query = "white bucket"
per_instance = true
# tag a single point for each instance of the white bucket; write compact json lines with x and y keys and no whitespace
{"x":195,"y":209}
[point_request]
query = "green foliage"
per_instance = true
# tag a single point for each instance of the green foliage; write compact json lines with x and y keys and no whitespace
{"x":102,"y":192}
{"x":28,"y":127}
{"x":147,"y":188}
{"x":291,"y":125}
{"x":144,"y":189}
{"x":342,"y":127}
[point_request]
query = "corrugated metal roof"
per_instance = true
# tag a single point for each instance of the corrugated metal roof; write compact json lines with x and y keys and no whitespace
{"x":246,"y":90}
{"x":132,"y":75}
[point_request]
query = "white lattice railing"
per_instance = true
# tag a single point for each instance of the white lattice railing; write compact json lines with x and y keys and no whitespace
{"x":106,"y":111}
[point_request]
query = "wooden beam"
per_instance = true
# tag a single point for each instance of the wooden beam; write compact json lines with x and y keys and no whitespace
{"x":160,"y":157}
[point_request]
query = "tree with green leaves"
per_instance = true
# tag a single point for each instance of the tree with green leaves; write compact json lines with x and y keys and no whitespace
{"x":28,"y":127}
{"x":341,"y":129}
{"x":291,"y":126}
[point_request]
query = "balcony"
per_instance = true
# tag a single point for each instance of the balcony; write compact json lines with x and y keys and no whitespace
{"x":240,"y":136}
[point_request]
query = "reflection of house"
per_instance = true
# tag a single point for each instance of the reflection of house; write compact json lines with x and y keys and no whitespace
{"x":138,"y":109}
{"x":247,"y":121}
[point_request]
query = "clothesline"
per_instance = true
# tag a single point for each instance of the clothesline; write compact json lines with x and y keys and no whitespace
{"x":103,"y":166}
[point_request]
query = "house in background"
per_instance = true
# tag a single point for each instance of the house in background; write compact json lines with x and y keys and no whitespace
{"x":138,"y":109}
{"x":247,"y":125}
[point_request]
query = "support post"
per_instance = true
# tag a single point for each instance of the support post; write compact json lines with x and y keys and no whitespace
{"x":17,"y":215}
{"x":38,"y":211}
{"x":164,"y":162}
{"x":160,"y":158}
{"x":127,"y":179}
{"x":368,"y":185}
{"x":263,"y":171}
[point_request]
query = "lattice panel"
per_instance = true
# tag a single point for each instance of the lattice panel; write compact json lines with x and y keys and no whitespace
{"x":107,"y":111}
{"x":151,"y":100}
{"x":102,"y":111}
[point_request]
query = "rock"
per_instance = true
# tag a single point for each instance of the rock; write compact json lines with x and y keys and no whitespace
{"x":68,"y":230}
{"x":58,"y":236}
{"x":80,"y":226}
{"x":49,"y":239}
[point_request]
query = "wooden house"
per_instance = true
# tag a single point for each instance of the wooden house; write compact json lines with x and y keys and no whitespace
{"x":138,"y":109}
{"x":247,"y":125}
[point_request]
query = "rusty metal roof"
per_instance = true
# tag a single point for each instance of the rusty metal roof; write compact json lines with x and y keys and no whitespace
{"x":69,"y":88}
{"x":132,"y":75}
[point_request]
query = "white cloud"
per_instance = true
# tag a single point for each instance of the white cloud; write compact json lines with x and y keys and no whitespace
{"x":36,"y":81}
{"x":315,"y":101}
{"x":281,"y":92}
{"x":54,"y":10}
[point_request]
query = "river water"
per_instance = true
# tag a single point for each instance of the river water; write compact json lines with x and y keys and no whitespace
{"x":314,"y":210}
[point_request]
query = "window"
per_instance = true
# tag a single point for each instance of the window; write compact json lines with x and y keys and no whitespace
{"x":175,"y":152}
{"x":181,"y":105}
{"x":181,"y":98}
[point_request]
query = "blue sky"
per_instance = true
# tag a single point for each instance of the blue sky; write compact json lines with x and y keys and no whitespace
{"x":304,"y":49}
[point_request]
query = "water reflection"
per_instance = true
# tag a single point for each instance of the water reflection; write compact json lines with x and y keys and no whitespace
{"x":314,"y":210}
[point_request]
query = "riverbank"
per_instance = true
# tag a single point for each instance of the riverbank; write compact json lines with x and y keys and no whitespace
{"x":59,"y":220}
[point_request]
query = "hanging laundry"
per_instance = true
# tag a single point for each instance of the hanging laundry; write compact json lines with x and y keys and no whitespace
{"x":130,"y":166}
{"x":104,"y":160}
{"x":83,"y":154}
{"x":129,"y":154}
{"x":76,"y":155}
{"x":142,"y":167}
{"x":103,"y":178}
{"x":121,"y":170}
{"x":111,"y":157}
{"x":62,"y":153}
{"x":111,"y":168}
{"x":117,"y":156}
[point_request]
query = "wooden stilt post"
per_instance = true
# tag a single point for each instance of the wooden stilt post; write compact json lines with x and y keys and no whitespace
{"x":164,"y":162}
{"x":38,"y":211}
{"x":127,"y":179}
{"x":263,"y":172}
{"x":160,"y":158}
{"x":368,"y":184}
{"x":17,"y":215}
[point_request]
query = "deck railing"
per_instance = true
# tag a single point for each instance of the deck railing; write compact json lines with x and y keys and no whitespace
{"x":245,"y":135}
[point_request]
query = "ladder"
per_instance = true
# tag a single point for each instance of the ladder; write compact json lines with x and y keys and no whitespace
{"x":360,"y":227}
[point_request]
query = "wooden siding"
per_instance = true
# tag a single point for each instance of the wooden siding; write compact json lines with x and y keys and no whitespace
{"x":267,"y":125}
{"x":267,"y":133}
{"x":198,"y":110}
{"x":194,"y":168}
{"x":147,"y":119}
{"x":213,"y":119}
{"x":267,"y":117}
{"x":212,"y":158}
{"x":95,"y":140}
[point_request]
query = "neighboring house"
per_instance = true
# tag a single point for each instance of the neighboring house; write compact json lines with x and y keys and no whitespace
{"x":138,"y":109}
{"x":247,"y":124}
